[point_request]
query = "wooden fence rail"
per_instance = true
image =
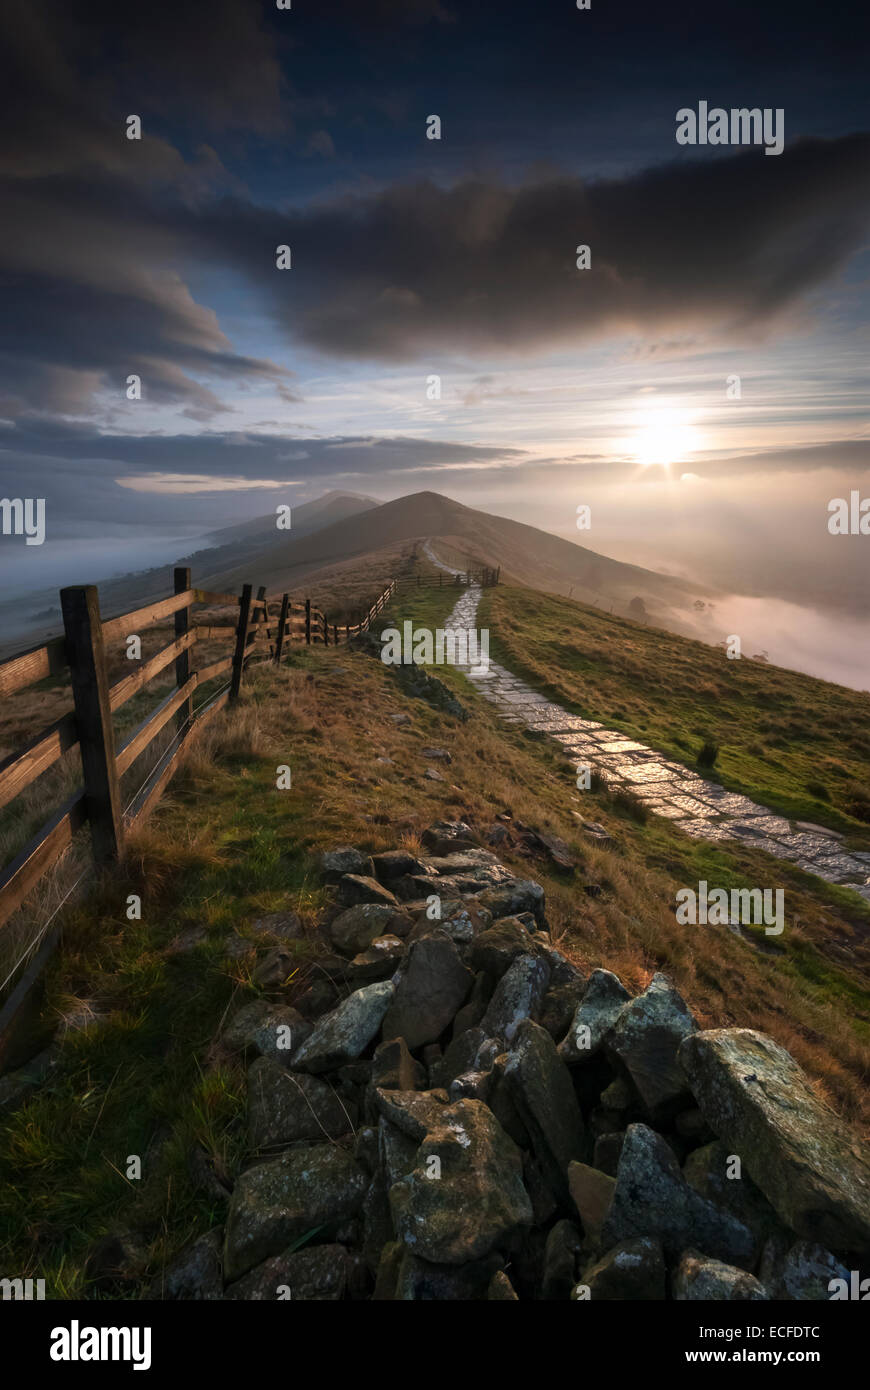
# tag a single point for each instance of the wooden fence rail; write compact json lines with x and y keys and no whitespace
{"x":486,"y":578}
{"x":257,"y":633}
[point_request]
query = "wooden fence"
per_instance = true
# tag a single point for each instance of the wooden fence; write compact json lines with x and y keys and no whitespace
{"x":262,"y":630}
{"x":486,"y":578}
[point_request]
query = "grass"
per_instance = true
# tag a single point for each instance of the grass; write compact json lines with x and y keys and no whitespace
{"x":794,"y":743}
{"x":141,"y":1069}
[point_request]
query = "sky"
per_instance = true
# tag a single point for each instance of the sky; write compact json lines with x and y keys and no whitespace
{"x":701,"y":385}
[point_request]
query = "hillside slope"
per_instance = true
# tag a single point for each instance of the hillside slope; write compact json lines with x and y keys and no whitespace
{"x":229,"y":863}
{"x":525,"y":554}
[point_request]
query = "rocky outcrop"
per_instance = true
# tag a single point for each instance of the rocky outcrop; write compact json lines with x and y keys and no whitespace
{"x":808,"y":1164}
{"x":452,"y":1111}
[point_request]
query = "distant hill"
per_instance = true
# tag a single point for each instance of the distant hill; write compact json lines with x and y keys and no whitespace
{"x":526,"y":555}
{"x":342,"y":544}
{"x":308,"y":517}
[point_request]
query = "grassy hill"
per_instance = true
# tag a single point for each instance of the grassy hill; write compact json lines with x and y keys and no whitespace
{"x":340,"y":542}
{"x":140,"y":1005}
{"x":525,"y":553}
{"x":795,"y":743}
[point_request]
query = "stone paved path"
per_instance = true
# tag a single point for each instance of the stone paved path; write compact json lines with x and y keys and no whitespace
{"x":702,"y":809}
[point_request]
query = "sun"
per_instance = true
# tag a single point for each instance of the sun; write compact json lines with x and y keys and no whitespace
{"x":663,"y":436}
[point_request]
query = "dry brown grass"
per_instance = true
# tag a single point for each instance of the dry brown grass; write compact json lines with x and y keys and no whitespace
{"x":327,"y":714}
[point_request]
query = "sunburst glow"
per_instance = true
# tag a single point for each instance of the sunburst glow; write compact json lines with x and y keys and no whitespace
{"x":664,"y":436}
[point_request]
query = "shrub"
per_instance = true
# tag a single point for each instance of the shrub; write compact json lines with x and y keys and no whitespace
{"x":818,"y":790}
{"x":709,"y":753}
{"x":858,"y":801}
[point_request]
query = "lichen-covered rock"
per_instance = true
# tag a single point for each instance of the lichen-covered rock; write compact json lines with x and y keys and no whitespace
{"x":317,"y":1274}
{"x":335,"y":863}
{"x":632,"y":1271}
{"x":604,"y":998}
{"x":379,"y":960}
{"x":463,"y":920}
{"x":447,"y":836}
{"x":394,"y":863}
{"x":285,"y":1107}
{"x":431,"y":987}
{"x":540,"y":1087}
{"x":275,"y":1203}
{"x":413,"y":1113}
{"x":420,"y":1281}
{"x":398,"y":1154}
{"x":646,"y":1038}
{"x":465,"y":1193}
{"x":810,"y":1166}
{"x":698,"y":1277}
{"x":560,"y":1005}
{"x":355,"y":930}
{"x":361,"y":888}
{"x":513,"y":897}
{"x":459,"y":1056}
{"x":496,"y":949}
{"x":473,"y":1085}
{"x":707,"y":1170}
{"x":268,"y":1029}
{"x":517,"y":997}
{"x":340,"y":1036}
{"x":197,"y":1273}
{"x":804,"y":1272}
{"x":652,"y":1198}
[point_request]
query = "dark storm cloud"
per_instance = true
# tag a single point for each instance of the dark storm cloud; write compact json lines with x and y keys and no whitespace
{"x":88,"y":258}
{"x":92,"y":293}
{"x":721,"y":246}
{"x":101,"y":235}
{"x":82,"y":473}
{"x":70,"y":69}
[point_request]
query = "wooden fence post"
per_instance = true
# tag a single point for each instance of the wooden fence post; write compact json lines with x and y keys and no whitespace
{"x":308,"y":622}
{"x":241,"y":641}
{"x":90,"y":687}
{"x":182,"y":663}
{"x":263,"y":613}
{"x":282,"y":623}
{"x":325,"y":631}
{"x":335,"y":634}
